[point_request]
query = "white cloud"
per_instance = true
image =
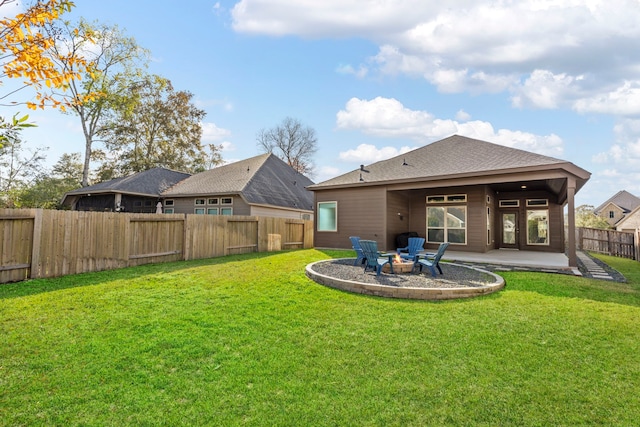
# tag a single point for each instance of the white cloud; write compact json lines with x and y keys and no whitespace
{"x":326,"y":172}
{"x":549,"y":54}
{"x":367,"y":153}
{"x":388,"y":118}
{"x":624,"y":100}
{"x":213,"y":133}
{"x":463,"y":116}
{"x":360,"y":73}
{"x":227,"y":146}
{"x":622,"y":160}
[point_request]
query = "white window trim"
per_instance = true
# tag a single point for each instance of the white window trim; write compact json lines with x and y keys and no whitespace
{"x":195,"y":202}
{"x":548,"y":242}
{"x":222,"y":201}
{"x":446,"y":228}
{"x":509,"y":203}
{"x":335,"y":230}
{"x":534,"y":203}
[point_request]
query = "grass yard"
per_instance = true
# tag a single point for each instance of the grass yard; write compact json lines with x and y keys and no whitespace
{"x":249,"y":340}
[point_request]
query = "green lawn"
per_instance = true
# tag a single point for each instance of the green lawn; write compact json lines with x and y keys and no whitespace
{"x":249,"y":340}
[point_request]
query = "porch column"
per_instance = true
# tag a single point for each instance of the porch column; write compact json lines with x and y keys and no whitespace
{"x":571,"y":219}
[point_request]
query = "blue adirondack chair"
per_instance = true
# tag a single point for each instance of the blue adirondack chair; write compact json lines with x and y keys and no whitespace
{"x":416,"y":244}
{"x":355,"y":244}
{"x":374,"y":258}
{"x":432,"y":263}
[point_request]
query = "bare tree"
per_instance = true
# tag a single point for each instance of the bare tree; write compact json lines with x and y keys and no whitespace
{"x":292,"y":142}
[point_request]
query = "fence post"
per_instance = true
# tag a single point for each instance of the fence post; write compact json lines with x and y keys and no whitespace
{"x":34,"y":270}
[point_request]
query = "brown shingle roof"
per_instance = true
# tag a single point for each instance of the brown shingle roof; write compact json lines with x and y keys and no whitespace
{"x":455,"y":155}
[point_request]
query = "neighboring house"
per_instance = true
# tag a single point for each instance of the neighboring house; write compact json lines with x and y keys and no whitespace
{"x":618,"y":208}
{"x":630,"y":222}
{"x":476,"y":195}
{"x":260,"y":186}
{"x":139,"y":192}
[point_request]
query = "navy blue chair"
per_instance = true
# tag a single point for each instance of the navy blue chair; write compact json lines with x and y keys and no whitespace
{"x":355,"y":244}
{"x":415,"y":245}
{"x":374,"y":259}
{"x":432,"y":263}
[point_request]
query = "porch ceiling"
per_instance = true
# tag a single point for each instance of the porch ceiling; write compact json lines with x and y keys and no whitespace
{"x":555,"y":186}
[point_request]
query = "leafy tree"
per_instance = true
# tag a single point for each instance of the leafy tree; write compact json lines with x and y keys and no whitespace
{"x":116,"y":62}
{"x":47,"y":189}
{"x":292,"y":142}
{"x":585,"y":217}
{"x":156,"y":126}
{"x":25,"y":52}
{"x":18,"y":166}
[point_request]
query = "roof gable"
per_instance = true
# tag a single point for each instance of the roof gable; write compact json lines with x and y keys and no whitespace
{"x":623,"y":199}
{"x":151,"y":182}
{"x":263,"y":179}
{"x":455,"y":155}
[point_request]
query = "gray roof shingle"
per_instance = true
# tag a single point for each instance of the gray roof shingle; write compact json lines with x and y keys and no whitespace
{"x":455,"y":155}
{"x":623,"y":199}
{"x":151,"y":182}
{"x":263,"y":179}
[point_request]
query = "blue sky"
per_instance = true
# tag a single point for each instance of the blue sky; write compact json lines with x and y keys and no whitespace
{"x":374,"y":79}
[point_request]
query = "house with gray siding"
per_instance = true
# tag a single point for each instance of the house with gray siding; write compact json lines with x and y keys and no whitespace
{"x":476,"y":195}
{"x":137,"y":193}
{"x":263,"y":185}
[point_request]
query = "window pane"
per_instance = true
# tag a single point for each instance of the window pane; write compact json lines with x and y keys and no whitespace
{"x":226,"y":211}
{"x":435,"y":235}
{"x":212,"y":211}
{"x":199,"y":211}
{"x":435,"y":217}
{"x":456,"y":236}
{"x":537,"y":227}
{"x":327,"y":216}
{"x":456,"y":217}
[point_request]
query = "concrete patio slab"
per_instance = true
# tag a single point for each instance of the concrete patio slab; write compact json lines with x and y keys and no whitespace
{"x":511,"y":257}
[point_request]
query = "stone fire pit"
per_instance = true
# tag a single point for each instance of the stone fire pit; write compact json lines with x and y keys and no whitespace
{"x":400,"y":266}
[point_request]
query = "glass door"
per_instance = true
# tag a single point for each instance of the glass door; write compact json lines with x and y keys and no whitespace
{"x":509,"y":230}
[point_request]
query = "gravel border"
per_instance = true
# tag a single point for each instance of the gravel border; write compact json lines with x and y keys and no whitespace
{"x":454,"y":276}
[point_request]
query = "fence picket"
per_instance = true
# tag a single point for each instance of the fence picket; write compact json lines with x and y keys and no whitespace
{"x":611,"y":242}
{"x":38,"y":243}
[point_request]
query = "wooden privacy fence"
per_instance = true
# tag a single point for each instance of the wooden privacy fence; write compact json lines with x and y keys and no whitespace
{"x":616,"y":243}
{"x":37,"y":243}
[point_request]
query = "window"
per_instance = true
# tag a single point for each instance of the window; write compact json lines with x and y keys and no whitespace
{"x":199,"y":202}
{"x":453,"y":198}
{"x":538,"y":227}
{"x":199,"y":211}
{"x":212,"y":211}
{"x":168,"y":202}
{"x":213,"y":201}
{"x":327,"y":216}
{"x":226,"y":200}
{"x":148,"y":203}
{"x":612,"y":214}
{"x":168,"y":210}
{"x":137,"y":203}
{"x":447,"y":224}
{"x":509,"y":203}
{"x":537,"y":202}
{"x":226,"y":211}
